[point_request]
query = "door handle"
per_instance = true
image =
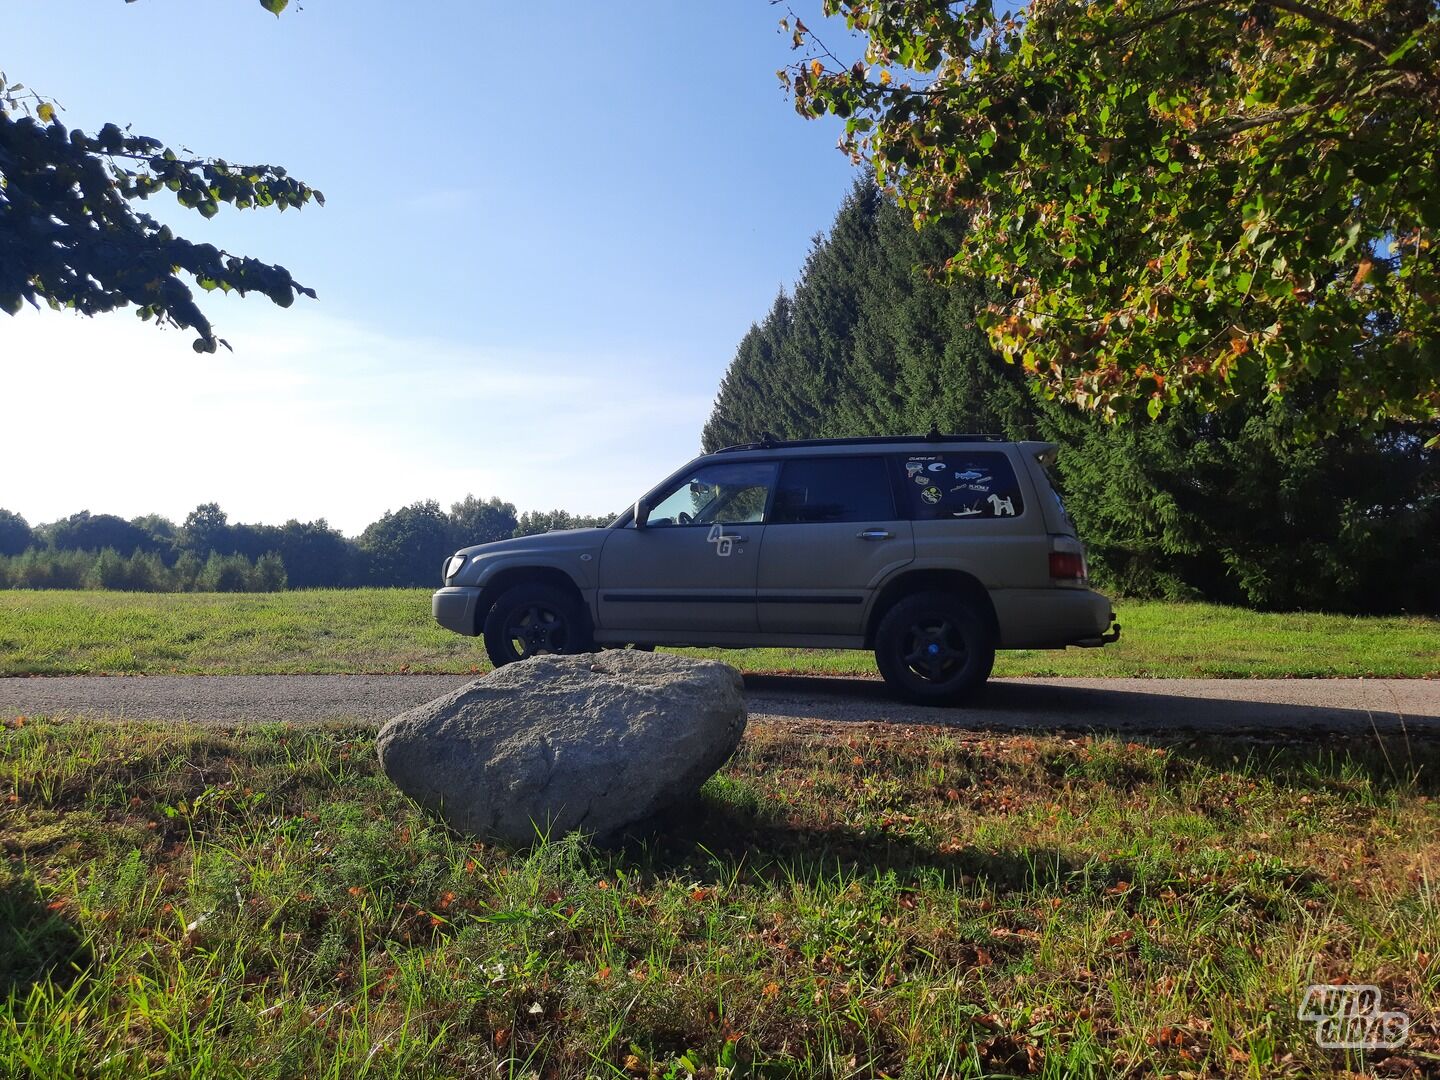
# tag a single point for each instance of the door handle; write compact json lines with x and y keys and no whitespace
{"x":874,"y":534}
{"x":736,"y":537}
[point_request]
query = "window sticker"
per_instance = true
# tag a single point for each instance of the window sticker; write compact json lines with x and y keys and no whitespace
{"x":978,"y":485}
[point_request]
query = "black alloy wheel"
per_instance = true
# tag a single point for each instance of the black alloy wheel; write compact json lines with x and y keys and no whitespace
{"x":535,"y":620}
{"x":934,"y":648}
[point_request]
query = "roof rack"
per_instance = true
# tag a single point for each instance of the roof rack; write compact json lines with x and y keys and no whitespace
{"x":769,"y":443}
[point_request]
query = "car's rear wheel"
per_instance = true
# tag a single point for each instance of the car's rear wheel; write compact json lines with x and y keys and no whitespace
{"x":534,"y":620}
{"x":934,"y":648}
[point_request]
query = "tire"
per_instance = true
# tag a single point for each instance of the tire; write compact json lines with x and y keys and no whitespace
{"x":934,"y":648}
{"x":535,"y":619}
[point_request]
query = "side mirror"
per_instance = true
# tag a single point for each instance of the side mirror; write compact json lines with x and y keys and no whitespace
{"x":642,"y":513}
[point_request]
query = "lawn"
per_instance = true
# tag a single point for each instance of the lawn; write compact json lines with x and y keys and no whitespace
{"x":183,"y":901}
{"x":390,"y":630}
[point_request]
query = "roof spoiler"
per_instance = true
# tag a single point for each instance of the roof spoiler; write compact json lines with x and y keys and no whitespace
{"x":1044,"y":452}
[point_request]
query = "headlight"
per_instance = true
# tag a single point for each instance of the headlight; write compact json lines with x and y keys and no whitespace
{"x":452,"y":567}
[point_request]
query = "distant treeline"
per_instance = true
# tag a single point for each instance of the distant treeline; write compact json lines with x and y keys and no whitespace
{"x":207,"y":553}
{"x":1235,"y":506}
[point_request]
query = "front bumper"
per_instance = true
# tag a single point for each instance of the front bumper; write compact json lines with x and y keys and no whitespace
{"x":454,"y":609}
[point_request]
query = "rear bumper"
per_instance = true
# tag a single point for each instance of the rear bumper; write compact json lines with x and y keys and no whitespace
{"x":1053,"y":618}
{"x":1108,"y":638}
{"x":454,"y":609}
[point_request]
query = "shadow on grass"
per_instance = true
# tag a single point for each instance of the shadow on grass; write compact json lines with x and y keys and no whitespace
{"x":1382,"y":762}
{"x":712,"y":836}
{"x":37,"y":944}
{"x":1308,"y":747}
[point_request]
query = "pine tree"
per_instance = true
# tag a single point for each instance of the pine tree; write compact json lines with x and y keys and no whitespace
{"x":745,"y":407}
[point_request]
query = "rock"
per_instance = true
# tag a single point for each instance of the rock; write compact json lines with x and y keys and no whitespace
{"x":556,"y":743}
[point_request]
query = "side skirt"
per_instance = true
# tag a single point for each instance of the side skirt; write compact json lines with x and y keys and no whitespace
{"x":729,"y":639}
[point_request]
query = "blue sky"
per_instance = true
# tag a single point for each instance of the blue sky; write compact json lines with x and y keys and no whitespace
{"x":547,"y":226}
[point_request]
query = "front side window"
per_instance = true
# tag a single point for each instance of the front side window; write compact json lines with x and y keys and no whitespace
{"x":719,"y":494}
{"x":974,"y":484}
{"x":831,"y":489}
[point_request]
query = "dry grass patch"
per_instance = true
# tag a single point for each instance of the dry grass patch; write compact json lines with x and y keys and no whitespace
{"x":845,"y":901}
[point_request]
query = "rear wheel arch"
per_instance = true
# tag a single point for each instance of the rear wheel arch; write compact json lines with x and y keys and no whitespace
{"x":506,"y":579}
{"x":909,"y":583}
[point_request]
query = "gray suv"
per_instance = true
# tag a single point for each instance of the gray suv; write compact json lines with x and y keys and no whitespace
{"x":932,"y":550}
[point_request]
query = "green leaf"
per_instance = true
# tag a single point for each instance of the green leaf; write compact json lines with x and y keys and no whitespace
{"x":275,"y":7}
{"x":1406,"y":46}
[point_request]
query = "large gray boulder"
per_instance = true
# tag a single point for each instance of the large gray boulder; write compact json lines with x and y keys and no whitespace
{"x":595,"y":742}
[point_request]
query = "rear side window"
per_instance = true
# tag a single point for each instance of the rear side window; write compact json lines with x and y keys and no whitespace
{"x":828,"y":489}
{"x":970,"y":484}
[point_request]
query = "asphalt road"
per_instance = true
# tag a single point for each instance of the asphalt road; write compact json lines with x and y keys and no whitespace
{"x":1126,"y":705}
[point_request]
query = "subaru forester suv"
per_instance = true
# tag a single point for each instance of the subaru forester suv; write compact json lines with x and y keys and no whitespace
{"x":934,"y":551}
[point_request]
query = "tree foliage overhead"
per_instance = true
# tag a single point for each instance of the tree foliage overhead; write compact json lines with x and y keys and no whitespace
{"x":72,"y":236}
{"x":1184,"y":200}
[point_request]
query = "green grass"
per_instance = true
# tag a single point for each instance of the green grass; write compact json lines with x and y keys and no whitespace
{"x":390,"y":630}
{"x":182,"y":901}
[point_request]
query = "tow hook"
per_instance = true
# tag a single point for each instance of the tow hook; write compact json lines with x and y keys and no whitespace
{"x":1110,"y":636}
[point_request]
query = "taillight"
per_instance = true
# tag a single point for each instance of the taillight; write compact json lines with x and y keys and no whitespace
{"x":1067,"y":567}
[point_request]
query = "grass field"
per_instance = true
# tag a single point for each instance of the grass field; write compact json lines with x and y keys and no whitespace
{"x":184,"y":901}
{"x":390,"y":630}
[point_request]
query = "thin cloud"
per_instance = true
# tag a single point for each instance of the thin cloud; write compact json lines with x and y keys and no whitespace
{"x":319,"y":416}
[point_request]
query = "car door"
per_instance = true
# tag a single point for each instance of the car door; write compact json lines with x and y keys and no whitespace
{"x":832,"y":536}
{"x":692,"y":566}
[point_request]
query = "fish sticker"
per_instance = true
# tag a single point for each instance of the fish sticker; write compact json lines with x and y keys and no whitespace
{"x":972,"y":475}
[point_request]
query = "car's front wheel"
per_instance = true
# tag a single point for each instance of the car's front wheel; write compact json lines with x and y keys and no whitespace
{"x":934,"y":648}
{"x":533,"y":620}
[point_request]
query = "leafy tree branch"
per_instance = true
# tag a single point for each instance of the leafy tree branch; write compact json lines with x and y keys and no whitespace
{"x":72,"y":237}
{"x":1195,"y":202}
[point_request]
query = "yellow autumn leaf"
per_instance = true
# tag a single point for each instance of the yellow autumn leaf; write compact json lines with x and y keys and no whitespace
{"x":46,"y":112}
{"x":884,"y":78}
{"x":816,"y":68}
